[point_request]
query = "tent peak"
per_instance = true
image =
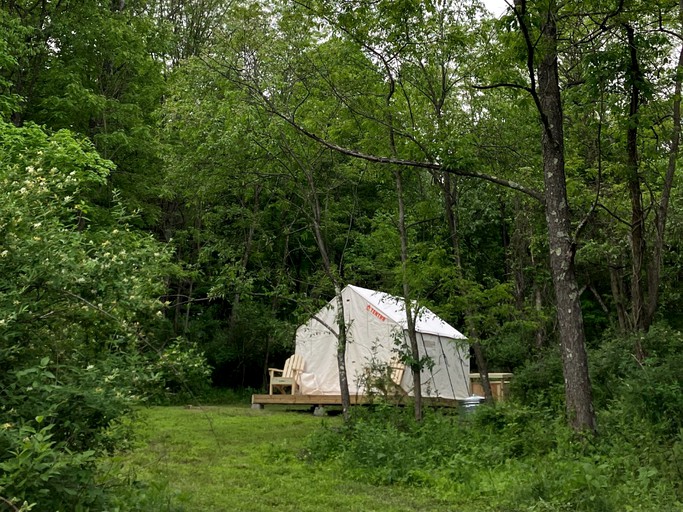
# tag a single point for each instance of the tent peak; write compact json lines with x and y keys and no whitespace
{"x":393,"y":307}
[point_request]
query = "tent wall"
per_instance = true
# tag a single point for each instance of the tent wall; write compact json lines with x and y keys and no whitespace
{"x":318,"y":346}
{"x":372,"y":336}
{"x":449,"y":377}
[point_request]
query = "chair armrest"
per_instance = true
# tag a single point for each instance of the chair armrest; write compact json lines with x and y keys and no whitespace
{"x":272,"y":371}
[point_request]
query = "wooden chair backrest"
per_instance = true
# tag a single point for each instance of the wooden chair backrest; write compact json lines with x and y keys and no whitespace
{"x":295,"y":364}
{"x":397,"y":370}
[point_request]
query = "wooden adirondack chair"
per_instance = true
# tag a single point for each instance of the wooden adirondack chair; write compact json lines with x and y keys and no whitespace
{"x":288,"y":377}
{"x":397,"y":370}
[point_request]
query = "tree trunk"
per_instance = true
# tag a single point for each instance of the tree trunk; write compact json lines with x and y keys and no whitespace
{"x":450,"y":203}
{"x":450,"y":195}
{"x":341,"y":353}
{"x":655,"y":268}
{"x":540,"y":331}
{"x":617,"y":287}
{"x":579,"y":401}
{"x":637,"y":238}
{"x":341,"y":320}
{"x":483,"y":367}
{"x":415,"y":365}
{"x":248,"y":244}
{"x":517,"y":253}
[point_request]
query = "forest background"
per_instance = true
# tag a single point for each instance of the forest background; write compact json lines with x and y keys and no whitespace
{"x":184,"y":182}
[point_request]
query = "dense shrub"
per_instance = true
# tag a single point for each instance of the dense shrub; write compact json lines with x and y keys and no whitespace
{"x":57,"y":421}
{"x":180,"y":372}
{"x":80,"y":319}
{"x":507,"y":457}
{"x":649,"y":390}
{"x":539,"y":382}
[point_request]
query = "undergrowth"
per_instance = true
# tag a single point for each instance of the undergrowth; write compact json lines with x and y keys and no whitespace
{"x":508,"y":457}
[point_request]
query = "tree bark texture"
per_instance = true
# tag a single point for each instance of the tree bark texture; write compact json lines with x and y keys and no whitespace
{"x":617,"y":287}
{"x":341,"y":353}
{"x":483,"y":367}
{"x":579,"y":401}
{"x":341,"y":320}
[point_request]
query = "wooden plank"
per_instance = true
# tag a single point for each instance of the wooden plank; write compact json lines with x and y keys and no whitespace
{"x":336,"y":400}
{"x":304,"y":399}
{"x":500,"y":384}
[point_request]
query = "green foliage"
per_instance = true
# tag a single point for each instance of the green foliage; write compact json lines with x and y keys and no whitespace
{"x":180,"y":372}
{"x":71,"y":260}
{"x":539,"y":382}
{"x":10,"y":37}
{"x":58,"y":421}
{"x":650,"y":391}
{"x":81,"y":322}
{"x":503,"y":458}
{"x":43,"y":472}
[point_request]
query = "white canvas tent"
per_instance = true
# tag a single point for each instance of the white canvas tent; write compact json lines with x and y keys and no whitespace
{"x":374,"y":321}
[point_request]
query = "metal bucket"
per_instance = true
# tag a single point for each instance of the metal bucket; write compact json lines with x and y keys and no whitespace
{"x":470,"y":403}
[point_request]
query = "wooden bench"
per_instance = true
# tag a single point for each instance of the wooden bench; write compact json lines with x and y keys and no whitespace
{"x":288,"y":377}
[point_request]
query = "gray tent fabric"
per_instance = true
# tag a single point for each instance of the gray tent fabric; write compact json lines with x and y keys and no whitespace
{"x":376,"y":322}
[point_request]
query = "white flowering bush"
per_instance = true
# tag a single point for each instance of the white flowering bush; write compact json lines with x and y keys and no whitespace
{"x":79,"y":320}
{"x":78,"y":270}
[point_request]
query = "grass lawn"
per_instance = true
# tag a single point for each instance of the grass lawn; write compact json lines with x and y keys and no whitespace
{"x":233,"y":458}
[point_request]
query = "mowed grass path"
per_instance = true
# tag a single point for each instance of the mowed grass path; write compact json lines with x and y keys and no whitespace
{"x":232,"y":458}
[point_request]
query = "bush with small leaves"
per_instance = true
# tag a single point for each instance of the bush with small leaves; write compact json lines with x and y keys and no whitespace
{"x":81,"y":322}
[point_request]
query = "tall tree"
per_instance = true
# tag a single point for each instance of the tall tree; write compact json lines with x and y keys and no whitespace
{"x":562,"y":246}
{"x":332,"y":267}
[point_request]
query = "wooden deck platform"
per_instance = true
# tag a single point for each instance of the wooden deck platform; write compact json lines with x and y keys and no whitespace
{"x":319,"y":400}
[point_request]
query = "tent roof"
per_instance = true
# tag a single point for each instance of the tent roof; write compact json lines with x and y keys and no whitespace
{"x":394,"y":308}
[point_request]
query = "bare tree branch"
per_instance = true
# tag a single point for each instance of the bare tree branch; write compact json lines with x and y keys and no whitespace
{"x":508,"y":85}
{"x":614,"y":215}
{"x":411,"y":163}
